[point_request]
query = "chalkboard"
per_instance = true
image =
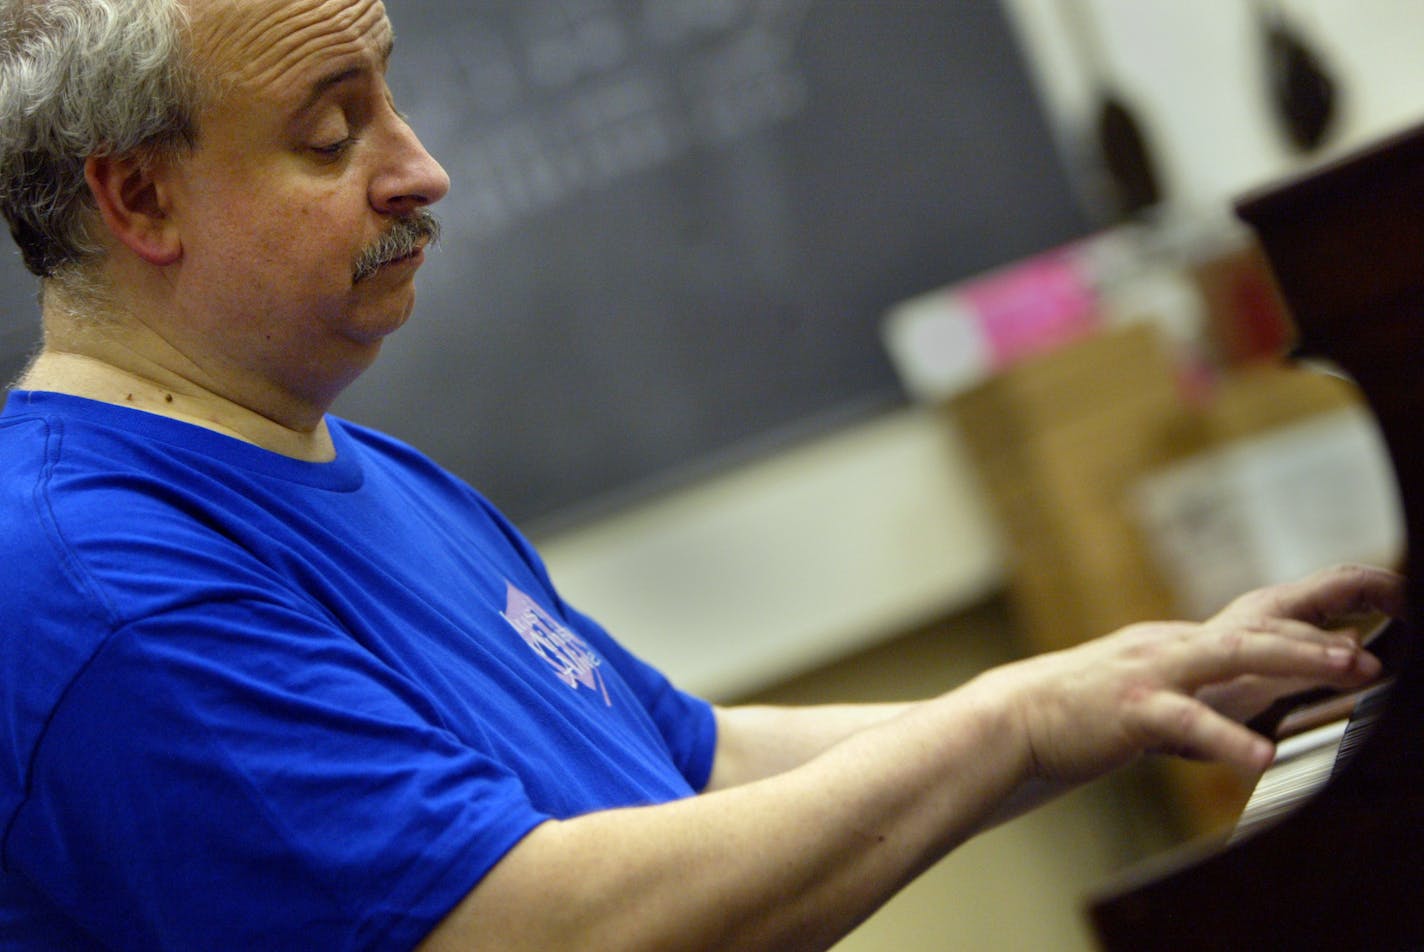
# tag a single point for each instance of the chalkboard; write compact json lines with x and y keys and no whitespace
{"x":19,"y":312}
{"x":675,"y":226}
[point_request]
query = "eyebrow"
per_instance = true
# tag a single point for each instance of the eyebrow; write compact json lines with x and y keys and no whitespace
{"x":335,"y":78}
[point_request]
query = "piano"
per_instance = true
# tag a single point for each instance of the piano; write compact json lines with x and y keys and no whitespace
{"x":1338,"y":862}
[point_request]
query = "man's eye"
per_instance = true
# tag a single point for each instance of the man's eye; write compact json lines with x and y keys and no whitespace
{"x":335,"y":149}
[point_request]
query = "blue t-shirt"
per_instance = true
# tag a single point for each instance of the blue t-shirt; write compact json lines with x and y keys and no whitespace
{"x":248,"y":702}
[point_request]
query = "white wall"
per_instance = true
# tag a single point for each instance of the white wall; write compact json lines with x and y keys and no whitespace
{"x":1192,"y":69}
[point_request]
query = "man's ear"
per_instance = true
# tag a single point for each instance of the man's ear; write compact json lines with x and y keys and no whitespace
{"x":133,"y":204}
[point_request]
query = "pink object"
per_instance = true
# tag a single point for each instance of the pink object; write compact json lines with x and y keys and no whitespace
{"x":1031,"y":307}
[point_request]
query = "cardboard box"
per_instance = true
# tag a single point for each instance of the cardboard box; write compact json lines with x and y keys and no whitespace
{"x":1058,"y":441}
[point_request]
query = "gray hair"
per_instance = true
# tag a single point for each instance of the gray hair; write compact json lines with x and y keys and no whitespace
{"x":80,"y":78}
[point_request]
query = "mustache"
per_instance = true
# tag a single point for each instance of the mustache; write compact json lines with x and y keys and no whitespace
{"x":406,"y":237}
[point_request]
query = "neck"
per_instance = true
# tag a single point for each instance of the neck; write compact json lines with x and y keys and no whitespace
{"x":122,"y":378}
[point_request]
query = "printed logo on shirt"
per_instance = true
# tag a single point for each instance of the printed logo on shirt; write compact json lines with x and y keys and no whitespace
{"x":572,"y":660}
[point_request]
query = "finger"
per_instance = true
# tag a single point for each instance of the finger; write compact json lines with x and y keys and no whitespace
{"x":1306,"y":632}
{"x":1312,"y":656}
{"x":1246,"y":697}
{"x":1330,"y":596}
{"x":1365,"y":633}
{"x":1189,"y":728}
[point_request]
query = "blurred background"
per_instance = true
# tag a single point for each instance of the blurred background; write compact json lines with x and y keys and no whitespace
{"x":838,"y":349}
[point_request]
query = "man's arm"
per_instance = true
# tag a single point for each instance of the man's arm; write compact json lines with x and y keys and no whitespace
{"x":792,"y":861}
{"x":796,"y":859}
{"x":759,"y":741}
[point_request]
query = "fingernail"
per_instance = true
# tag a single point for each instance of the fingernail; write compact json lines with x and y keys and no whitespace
{"x":1339,"y":655}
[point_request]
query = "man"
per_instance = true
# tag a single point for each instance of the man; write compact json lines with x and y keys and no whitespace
{"x":270,"y":680}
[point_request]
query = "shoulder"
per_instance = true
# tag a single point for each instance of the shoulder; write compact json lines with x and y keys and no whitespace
{"x":407,"y":469}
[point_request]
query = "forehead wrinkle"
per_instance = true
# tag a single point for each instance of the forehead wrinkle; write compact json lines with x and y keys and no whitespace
{"x":281,"y":51}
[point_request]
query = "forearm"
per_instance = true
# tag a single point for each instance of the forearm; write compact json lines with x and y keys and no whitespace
{"x":791,"y":862}
{"x":759,"y":741}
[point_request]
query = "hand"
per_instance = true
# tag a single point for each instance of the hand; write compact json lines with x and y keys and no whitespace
{"x":1182,"y":687}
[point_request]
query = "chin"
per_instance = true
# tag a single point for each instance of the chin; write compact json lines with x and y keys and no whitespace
{"x":374,"y":323}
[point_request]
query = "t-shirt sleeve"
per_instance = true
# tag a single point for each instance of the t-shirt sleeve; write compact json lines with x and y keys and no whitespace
{"x":295,"y":789}
{"x":687,"y":723}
